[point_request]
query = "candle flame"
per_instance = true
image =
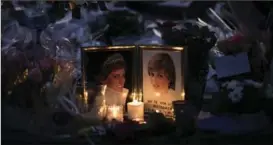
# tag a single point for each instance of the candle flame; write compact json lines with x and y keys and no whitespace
{"x":140,"y":97}
{"x":85,"y":93}
{"x":178,"y":48}
{"x":102,"y":111}
{"x":103,"y":89}
{"x":85,"y":97}
{"x":144,"y":122}
{"x":157,"y":111}
{"x":157,"y":94}
{"x":183,"y":95}
{"x":134,"y":96}
{"x":135,"y":101}
{"x":139,"y":120}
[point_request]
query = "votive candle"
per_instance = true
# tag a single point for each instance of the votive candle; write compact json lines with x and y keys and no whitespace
{"x":136,"y":110}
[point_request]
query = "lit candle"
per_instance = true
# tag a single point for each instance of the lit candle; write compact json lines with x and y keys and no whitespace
{"x":183,"y":95}
{"x":115,"y":113}
{"x":85,"y":101}
{"x":103,"y":89}
{"x":85,"y":97}
{"x":136,"y":110}
{"x":102,"y":110}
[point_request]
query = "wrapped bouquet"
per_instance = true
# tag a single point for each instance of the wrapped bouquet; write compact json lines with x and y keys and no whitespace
{"x":239,"y":85}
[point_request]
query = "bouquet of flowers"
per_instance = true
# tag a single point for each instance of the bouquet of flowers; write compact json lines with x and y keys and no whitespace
{"x":34,"y":79}
{"x":240,"y":92}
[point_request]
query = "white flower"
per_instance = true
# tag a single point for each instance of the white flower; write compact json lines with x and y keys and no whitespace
{"x":234,"y":90}
{"x":236,"y":94}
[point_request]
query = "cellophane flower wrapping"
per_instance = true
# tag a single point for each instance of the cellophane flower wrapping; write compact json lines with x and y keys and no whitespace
{"x":40,"y":75}
{"x":244,"y":93}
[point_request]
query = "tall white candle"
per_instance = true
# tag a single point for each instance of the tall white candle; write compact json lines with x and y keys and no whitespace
{"x":135,"y":110}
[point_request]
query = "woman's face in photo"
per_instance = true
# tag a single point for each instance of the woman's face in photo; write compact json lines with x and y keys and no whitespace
{"x":116,"y":80}
{"x":159,"y":81}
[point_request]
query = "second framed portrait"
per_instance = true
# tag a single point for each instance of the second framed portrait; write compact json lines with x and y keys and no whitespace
{"x":162,"y":77}
{"x":111,"y":66}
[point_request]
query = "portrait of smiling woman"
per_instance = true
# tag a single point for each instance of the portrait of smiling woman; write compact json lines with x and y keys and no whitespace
{"x":110,"y":68}
{"x":113,"y":76}
{"x":162,"y":80}
{"x":161,"y":72}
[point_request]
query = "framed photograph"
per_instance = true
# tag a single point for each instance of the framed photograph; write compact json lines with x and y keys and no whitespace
{"x":111,"y":66}
{"x":163,"y":71}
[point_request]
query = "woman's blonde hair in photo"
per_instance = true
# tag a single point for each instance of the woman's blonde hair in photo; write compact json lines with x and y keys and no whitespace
{"x":163,"y":61}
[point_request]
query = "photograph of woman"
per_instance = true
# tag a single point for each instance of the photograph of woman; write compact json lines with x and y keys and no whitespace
{"x":161,"y":80}
{"x":108,"y":79}
{"x":113,"y":76}
{"x":161,"y":73}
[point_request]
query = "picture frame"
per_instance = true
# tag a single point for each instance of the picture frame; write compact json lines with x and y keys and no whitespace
{"x":162,"y":73}
{"x":100,"y":64}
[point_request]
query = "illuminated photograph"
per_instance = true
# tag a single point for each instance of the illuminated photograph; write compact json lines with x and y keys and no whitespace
{"x":112,"y":68}
{"x":162,"y":79}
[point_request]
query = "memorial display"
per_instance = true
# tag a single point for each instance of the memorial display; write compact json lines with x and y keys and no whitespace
{"x":161,"y":68}
{"x":95,"y":72}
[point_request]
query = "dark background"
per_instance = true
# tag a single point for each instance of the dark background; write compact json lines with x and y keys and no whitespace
{"x":95,"y":59}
